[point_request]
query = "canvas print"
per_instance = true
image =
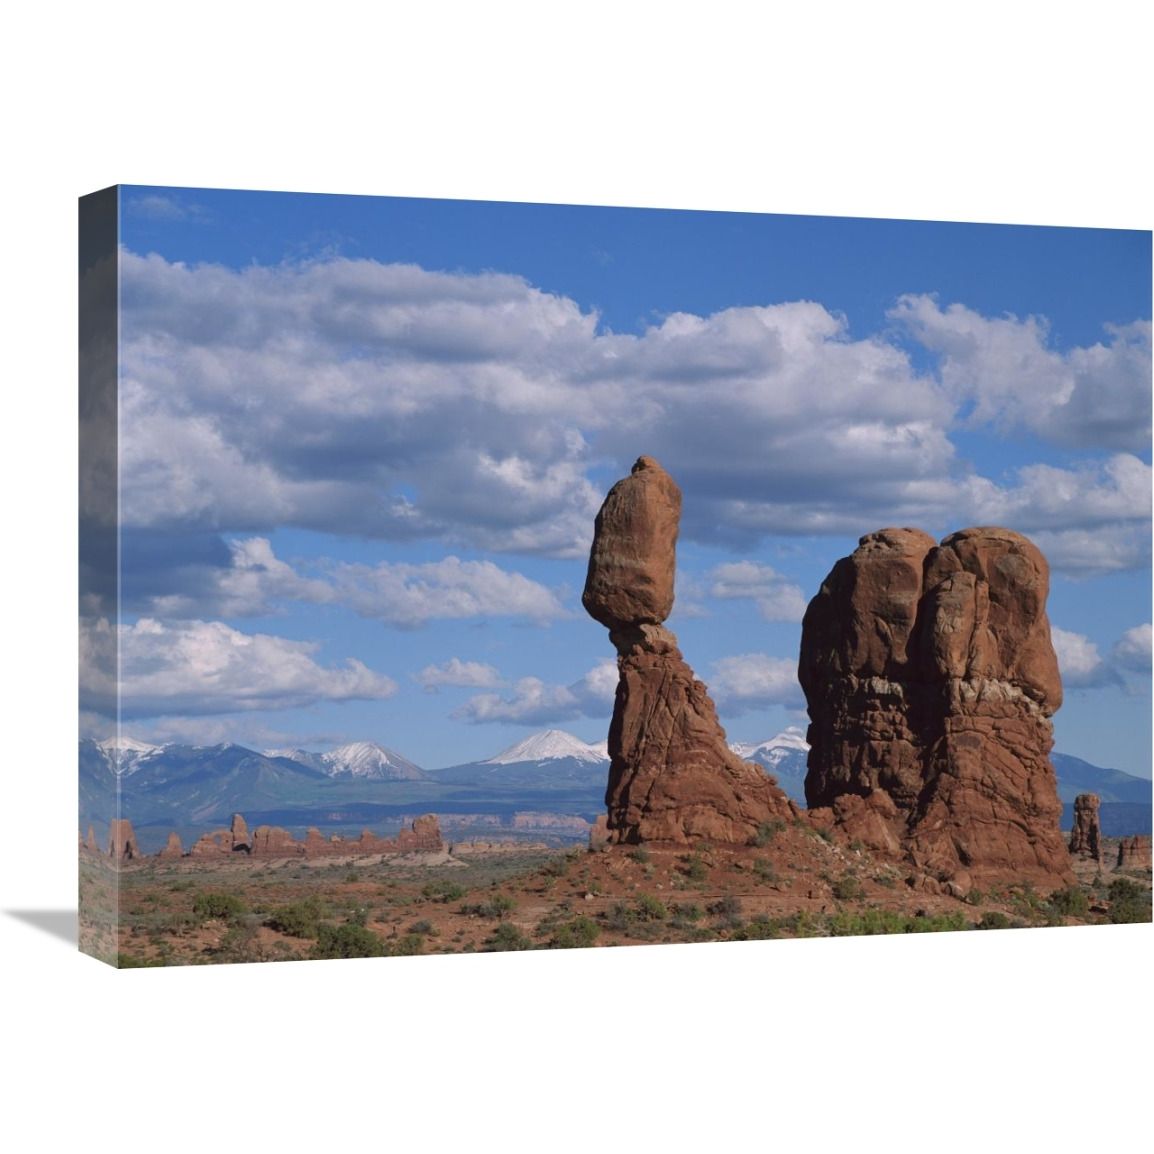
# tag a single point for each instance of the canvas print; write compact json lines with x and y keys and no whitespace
{"x":462,"y":576}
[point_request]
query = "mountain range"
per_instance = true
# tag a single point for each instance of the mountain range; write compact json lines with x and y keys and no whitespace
{"x":188,"y":787}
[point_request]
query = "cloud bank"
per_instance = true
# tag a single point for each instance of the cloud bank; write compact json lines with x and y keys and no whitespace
{"x":391,"y":402}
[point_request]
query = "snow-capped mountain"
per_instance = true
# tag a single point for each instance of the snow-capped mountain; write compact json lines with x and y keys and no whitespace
{"x":783,"y":756}
{"x":775,"y":750}
{"x":551,"y":759}
{"x":550,"y":745}
{"x":364,"y":760}
{"x":125,"y":754}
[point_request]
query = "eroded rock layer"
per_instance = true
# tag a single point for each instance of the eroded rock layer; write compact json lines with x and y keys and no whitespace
{"x":1134,"y":852}
{"x":930,"y":679}
{"x":671,"y":775}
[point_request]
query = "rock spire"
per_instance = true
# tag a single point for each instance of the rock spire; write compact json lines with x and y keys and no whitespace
{"x":671,"y":775}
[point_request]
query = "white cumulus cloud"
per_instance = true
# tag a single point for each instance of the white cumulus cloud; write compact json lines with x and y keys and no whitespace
{"x":534,"y":702}
{"x":1133,"y":650}
{"x":396,"y":593}
{"x":391,"y":402}
{"x":472,"y":674}
{"x":776,"y":598}
{"x":205,"y":667}
{"x":754,"y":681}
{"x":1004,"y":372}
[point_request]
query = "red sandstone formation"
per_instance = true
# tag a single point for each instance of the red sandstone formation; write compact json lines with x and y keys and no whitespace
{"x":1086,"y":838}
{"x":634,"y":554}
{"x":172,"y":848}
{"x":599,"y":835}
{"x":671,"y":776}
{"x":268,"y":841}
{"x":122,"y":841}
{"x":930,"y":679}
{"x":90,"y":842}
{"x":1134,"y":853}
{"x":224,"y":842}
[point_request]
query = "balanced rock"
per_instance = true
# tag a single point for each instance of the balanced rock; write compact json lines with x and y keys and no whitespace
{"x":671,"y":775}
{"x":1086,"y":838}
{"x":634,"y":554}
{"x":1134,"y":852}
{"x":930,"y":679}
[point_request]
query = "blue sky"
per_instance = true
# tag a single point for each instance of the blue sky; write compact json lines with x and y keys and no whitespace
{"x":363,"y":441}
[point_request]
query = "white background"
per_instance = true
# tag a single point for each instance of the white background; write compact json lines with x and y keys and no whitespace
{"x":1020,"y":114}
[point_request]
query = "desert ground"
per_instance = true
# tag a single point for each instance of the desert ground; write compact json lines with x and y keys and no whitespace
{"x":795,"y":883}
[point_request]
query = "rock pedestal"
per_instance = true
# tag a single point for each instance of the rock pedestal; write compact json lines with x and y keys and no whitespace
{"x":930,"y":679}
{"x":671,"y":775}
{"x":1086,"y":838}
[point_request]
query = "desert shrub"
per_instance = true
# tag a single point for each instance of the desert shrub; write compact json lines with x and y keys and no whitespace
{"x":766,"y":831}
{"x":297,"y":919}
{"x":994,"y":920}
{"x":443,"y":891}
{"x":404,"y":947}
{"x":846,"y":889}
{"x":942,"y":923}
{"x":136,"y":962}
{"x":424,"y":926}
{"x":825,"y":833}
{"x":760,"y":928}
{"x":227,"y":907}
{"x":556,"y":867}
{"x":728,"y":912}
{"x":1129,"y":902}
{"x":802,"y":924}
{"x":867,"y":922}
{"x":1070,"y":901}
{"x":347,"y":941}
{"x":640,"y":855}
{"x":508,"y":937}
{"x":650,"y":909}
{"x":763,"y":870}
{"x":619,"y":917}
{"x":687,"y":913}
{"x":495,"y":908}
{"x":695,"y":869}
{"x":576,"y":933}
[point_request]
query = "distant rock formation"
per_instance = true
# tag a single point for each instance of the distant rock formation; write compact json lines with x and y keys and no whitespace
{"x":671,"y":775}
{"x":223,"y":842}
{"x":121,"y":840}
{"x":90,"y":842}
{"x":1086,"y":838}
{"x":930,"y":679}
{"x":1134,"y":852}
{"x":270,"y":841}
{"x":173,"y":847}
